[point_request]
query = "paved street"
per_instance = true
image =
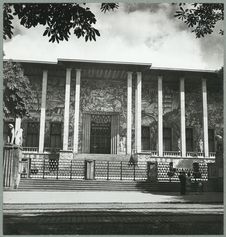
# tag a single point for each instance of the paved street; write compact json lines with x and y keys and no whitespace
{"x":182,"y":219}
{"x":112,"y":213}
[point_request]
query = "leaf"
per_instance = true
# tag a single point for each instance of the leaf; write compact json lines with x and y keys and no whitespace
{"x":45,"y":32}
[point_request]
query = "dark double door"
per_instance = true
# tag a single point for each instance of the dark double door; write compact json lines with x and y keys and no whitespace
{"x":100,"y":133}
{"x":100,"y":139}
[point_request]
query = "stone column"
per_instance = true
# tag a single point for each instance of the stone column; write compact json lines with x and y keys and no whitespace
{"x":43,"y":112}
{"x":138,"y":112}
{"x":77,"y":107}
{"x":160,"y":120}
{"x":17,"y":131}
{"x":205,"y":118}
{"x":17,"y":125}
{"x":129,"y":113}
{"x":182,"y":118}
{"x":66,"y":109}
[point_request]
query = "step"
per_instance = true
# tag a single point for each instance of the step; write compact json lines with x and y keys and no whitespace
{"x":85,"y":185}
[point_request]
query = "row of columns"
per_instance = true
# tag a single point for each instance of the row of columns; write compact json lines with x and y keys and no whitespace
{"x":138,"y":104}
{"x":66,"y":110}
{"x":138,"y":108}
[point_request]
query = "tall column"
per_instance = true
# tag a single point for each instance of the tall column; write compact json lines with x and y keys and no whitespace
{"x":77,"y":107}
{"x":129,"y":113}
{"x":17,"y":124}
{"x":182,"y":118}
{"x":18,"y":119}
{"x":138,"y":112}
{"x":160,"y":121}
{"x":205,"y":118}
{"x":43,"y":112}
{"x":66,"y":108}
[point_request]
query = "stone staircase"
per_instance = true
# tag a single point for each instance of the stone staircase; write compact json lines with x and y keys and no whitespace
{"x":96,"y":185}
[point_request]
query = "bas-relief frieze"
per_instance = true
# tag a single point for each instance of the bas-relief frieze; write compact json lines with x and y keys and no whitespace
{"x":215,"y":112}
{"x":171,"y":115}
{"x":55,"y":99}
{"x":111,"y":96}
{"x":106,"y":96}
{"x":37,"y":93}
{"x":194,"y":115}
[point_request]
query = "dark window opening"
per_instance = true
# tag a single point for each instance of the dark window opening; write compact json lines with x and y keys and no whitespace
{"x":145,"y":138}
{"x":55,"y":135}
{"x":32,"y":138}
{"x":211,"y":135}
{"x":189,"y":139}
{"x":167,"y":139}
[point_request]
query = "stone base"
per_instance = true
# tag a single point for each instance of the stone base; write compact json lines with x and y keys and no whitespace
{"x":65,"y":158}
{"x":105,"y":157}
{"x":11,"y":164}
{"x":178,"y":162}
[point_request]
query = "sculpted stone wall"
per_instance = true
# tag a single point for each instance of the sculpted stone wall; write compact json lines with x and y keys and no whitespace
{"x":106,"y":95}
{"x":215,"y":110}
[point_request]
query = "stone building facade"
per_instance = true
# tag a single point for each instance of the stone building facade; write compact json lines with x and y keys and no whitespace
{"x":115,"y":108}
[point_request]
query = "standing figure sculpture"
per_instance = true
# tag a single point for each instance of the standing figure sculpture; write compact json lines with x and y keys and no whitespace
{"x":201,"y":145}
{"x":11,"y":134}
{"x":19,"y":137}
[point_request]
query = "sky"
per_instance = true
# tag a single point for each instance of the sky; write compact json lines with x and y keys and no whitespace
{"x":142,"y":33}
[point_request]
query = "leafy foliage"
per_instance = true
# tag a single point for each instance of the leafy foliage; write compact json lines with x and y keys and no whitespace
{"x":17,"y":95}
{"x":202,"y":18}
{"x":59,"y":18}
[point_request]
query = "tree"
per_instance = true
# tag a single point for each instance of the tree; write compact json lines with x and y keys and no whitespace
{"x":59,"y":18}
{"x":62,"y":18}
{"x":201,"y":17}
{"x":17,"y":91}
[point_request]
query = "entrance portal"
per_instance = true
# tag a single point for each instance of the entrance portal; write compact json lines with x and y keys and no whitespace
{"x":100,"y":134}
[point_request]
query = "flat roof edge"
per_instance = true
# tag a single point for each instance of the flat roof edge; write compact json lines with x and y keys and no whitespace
{"x":113,"y":63}
{"x":184,"y":69}
{"x":103,"y":62}
{"x":31,"y":61}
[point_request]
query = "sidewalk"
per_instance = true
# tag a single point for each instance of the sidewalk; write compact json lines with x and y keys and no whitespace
{"x":111,"y":213}
{"x":51,"y":197}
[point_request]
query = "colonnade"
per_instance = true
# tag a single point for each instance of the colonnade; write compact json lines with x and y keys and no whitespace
{"x":138,"y":110}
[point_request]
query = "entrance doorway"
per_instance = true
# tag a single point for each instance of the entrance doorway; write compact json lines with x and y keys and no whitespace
{"x":100,"y":134}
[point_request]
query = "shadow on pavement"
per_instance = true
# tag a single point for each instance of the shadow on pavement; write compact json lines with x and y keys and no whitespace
{"x":114,"y":222}
{"x":192,"y":195}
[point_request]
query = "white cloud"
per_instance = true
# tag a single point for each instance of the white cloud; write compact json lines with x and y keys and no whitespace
{"x":137,"y":36}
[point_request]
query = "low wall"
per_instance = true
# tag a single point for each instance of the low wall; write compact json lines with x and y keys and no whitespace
{"x":12,"y":157}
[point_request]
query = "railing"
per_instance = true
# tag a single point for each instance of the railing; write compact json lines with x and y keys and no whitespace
{"x":35,"y":149}
{"x":178,"y":154}
{"x":212,"y":154}
{"x":30,"y":149}
{"x":152,"y":153}
{"x":200,"y":154}
{"x":171,"y":153}
{"x":194,"y":154}
{"x":149,"y":152}
{"x":48,"y":166}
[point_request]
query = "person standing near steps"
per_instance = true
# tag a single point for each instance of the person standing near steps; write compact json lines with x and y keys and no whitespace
{"x":182,"y":178}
